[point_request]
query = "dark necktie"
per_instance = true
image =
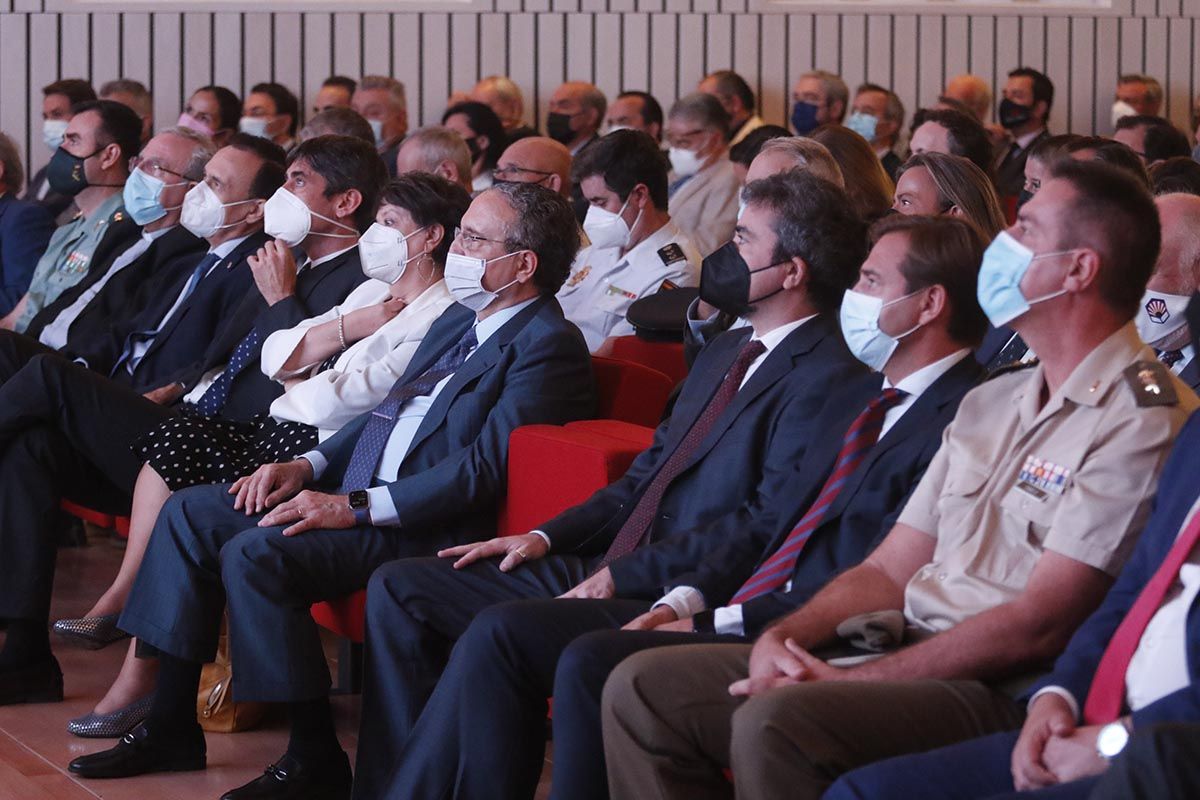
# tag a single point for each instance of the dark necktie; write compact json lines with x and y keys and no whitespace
{"x":1170,"y":357}
{"x":860,"y":437}
{"x":1106,"y":696}
{"x":1013,"y":351}
{"x":638,"y":523}
{"x":375,"y":434}
{"x":140,"y":337}
{"x":214,"y":398}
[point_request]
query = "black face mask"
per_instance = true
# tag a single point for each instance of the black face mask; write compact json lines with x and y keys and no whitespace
{"x":1024,"y":197}
{"x":558,"y":127}
{"x":474,"y":148}
{"x":1014,"y":115}
{"x":725,"y":281}
{"x":66,"y":174}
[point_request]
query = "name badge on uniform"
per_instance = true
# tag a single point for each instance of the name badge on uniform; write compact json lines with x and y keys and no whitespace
{"x":579,"y":277}
{"x":1040,"y":477}
{"x":617,"y":290}
{"x":671,"y":253}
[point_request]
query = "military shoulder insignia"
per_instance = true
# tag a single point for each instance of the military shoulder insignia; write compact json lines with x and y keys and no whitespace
{"x":1016,"y":366}
{"x":580,"y":276}
{"x":118,"y":216}
{"x":671,"y":253}
{"x":1151,"y":384}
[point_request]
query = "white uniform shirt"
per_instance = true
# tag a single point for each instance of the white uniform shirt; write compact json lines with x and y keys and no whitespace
{"x":603,"y":283}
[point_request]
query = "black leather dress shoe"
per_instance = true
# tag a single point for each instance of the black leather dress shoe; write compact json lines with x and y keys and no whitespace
{"x":37,"y":683}
{"x":290,"y":779}
{"x":141,"y":751}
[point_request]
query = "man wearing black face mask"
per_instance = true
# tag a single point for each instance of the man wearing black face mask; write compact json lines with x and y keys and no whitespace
{"x":91,"y":165}
{"x":1023,"y":113}
{"x":576,"y":113}
{"x":743,"y":420}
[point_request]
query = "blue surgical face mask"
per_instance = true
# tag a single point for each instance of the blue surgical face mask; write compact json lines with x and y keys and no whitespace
{"x":860,"y":328}
{"x":863,"y":124}
{"x":143,"y":197}
{"x":1005,"y":263}
{"x":804,"y":117}
{"x":376,"y":131}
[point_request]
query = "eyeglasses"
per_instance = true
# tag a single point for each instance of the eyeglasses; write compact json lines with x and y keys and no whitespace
{"x":156,"y":170}
{"x":471,"y":241}
{"x":504,"y":172}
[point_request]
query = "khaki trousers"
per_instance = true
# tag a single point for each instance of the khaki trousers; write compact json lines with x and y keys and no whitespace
{"x":671,"y":727}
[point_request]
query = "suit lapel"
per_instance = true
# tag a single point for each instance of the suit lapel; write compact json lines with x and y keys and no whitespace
{"x":1191,"y":373}
{"x":684,"y":417}
{"x":311,"y":278}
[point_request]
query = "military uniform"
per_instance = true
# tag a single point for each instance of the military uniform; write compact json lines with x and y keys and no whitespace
{"x":603,"y":283}
{"x":68,"y":257}
{"x":1014,"y":477}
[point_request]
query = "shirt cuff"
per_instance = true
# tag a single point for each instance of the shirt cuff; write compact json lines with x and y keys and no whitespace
{"x":728,"y":620}
{"x":1061,"y":692}
{"x":685,"y":601}
{"x":318,"y":461}
{"x":382,"y":508}
{"x":545,"y":539}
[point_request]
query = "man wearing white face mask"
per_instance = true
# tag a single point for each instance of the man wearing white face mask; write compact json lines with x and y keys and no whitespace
{"x":1160,"y":319}
{"x":271,"y":111}
{"x":381,"y":101}
{"x":635,"y":247}
{"x":704,"y":185}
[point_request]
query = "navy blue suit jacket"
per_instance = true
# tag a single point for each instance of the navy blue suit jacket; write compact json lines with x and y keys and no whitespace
{"x":25,"y":230}
{"x":535,"y":369}
{"x":1177,"y":491}
{"x":318,"y":289}
{"x":729,"y":478}
{"x":1191,"y":374}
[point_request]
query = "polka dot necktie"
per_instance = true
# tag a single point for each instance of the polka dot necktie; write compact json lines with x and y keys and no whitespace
{"x":215,"y":397}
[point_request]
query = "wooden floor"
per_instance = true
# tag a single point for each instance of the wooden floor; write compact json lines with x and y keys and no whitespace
{"x":35,"y":747}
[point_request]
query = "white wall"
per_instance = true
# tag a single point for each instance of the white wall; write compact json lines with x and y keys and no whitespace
{"x":663,"y":46}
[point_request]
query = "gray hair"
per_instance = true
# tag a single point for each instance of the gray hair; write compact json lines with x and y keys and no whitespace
{"x":10,"y":157}
{"x":202,"y":150}
{"x":1154,"y":90}
{"x":808,"y":155}
{"x":135,"y":89}
{"x":703,"y":109}
{"x":340,"y":121}
{"x":547,"y":226}
{"x":438,"y":144}
{"x":594,"y":99}
{"x":394,"y":87}
{"x":832,"y":85}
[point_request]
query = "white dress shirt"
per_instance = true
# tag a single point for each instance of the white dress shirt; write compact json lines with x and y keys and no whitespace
{"x":412,"y":414}
{"x":55,"y":333}
{"x":364,"y":373}
{"x":687,"y":601}
{"x":200,"y":388}
{"x":1159,"y":666}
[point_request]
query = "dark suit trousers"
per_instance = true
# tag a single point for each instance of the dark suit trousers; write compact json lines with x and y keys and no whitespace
{"x":64,"y":432}
{"x":416,"y":609}
{"x":972,"y":770}
{"x":1159,"y":763}
{"x":204,"y":554}
{"x":16,"y":349}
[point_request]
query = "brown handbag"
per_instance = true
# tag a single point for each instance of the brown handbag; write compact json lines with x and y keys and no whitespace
{"x":215,"y":708}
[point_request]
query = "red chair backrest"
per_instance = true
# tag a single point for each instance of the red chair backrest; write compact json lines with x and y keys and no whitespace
{"x":666,"y":357}
{"x":630,"y":392}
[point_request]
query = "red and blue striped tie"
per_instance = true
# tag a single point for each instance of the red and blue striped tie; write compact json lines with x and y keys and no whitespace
{"x":860,"y":438}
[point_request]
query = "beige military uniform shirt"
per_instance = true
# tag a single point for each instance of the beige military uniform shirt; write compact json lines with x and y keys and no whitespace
{"x":1015,"y":477}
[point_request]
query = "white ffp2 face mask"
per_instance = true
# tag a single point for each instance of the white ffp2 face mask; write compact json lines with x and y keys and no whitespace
{"x":464,"y":280}
{"x":384,"y":252}
{"x":1160,"y":315}
{"x":255,"y":126}
{"x":606,"y":229}
{"x":203,"y":212}
{"x":684,"y":162}
{"x":288,"y":218}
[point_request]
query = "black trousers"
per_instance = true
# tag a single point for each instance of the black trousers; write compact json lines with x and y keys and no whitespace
{"x":64,"y":432}
{"x":416,"y":610}
{"x":16,"y":349}
{"x":204,"y":554}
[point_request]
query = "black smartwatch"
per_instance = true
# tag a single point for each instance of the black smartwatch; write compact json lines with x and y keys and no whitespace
{"x":704,"y":622}
{"x":360,"y":504}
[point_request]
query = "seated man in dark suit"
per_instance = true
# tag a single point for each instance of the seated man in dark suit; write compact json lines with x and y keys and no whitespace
{"x":744,"y":418}
{"x":423,"y":470}
{"x":25,"y":229}
{"x":915,"y":317}
{"x":66,"y":431}
{"x":1131,"y":665}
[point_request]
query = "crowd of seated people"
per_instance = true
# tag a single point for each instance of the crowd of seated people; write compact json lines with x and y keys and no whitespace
{"x":920,"y":521}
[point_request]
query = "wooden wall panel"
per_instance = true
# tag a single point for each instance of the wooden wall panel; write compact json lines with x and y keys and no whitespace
{"x":664,"y":46}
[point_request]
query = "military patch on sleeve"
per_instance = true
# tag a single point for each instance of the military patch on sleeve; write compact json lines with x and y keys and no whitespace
{"x":1151,"y":384}
{"x":671,"y":253}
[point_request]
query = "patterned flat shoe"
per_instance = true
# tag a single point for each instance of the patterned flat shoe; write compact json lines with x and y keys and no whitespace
{"x":112,"y":725}
{"x":91,"y":632}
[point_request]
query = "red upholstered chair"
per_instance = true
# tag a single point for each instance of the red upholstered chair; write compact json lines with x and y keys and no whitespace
{"x":97,"y":518}
{"x":666,"y":357}
{"x":630,"y":391}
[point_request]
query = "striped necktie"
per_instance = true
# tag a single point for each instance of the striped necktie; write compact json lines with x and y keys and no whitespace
{"x":861,"y":436}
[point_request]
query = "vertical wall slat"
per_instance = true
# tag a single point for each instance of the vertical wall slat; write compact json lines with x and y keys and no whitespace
{"x":106,"y":61}
{"x":958,"y":59}
{"x":491,"y":44}
{"x":521,"y":65}
{"x":406,"y":61}
{"x":719,"y":46}
{"x":135,"y":31}
{"x":983,"y":47}
{"x":347,"y":46}
{"x":1132,"y":32}
{"x":662,"y":58}
{"x":608,"y":40}
{"x":879,"y":51}
{"x":690,"y":55}
{"x":376,"y":45}
{"x":580,"y":59}
{"x":904,"y":65}
{"x":1177,"y":82}
{"x":635,"y":39}
{"x":170,"y":95}
{"x":76,"y":42}
{"x":17,"y":117}
{"x":551,"y":67}
{"x":197,"y":50}
{"x":1008,"y":51}
{"x":464,"y":64}
{"x":929,"y":55}
{"x":435,"y":67}
{"x":747,"y":47}
{"x":1033,"y":43}
{"x":317,"y":56}
{"x":801,"y":54}
{"x":1085,"y":112}
{"x":227,"y":49}
{"x":1108,"y":36}
{"x":773,"y":92}
{"x":826,"y":48}
{"x":852,"y":56}
{"x":1058,"y":69}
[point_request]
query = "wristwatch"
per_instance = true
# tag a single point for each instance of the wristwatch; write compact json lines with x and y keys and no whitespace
{"x":1112,"y":739}
{"x":360,"y":504}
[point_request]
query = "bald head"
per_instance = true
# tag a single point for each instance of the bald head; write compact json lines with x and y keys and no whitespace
{"x":1178,"y":267}
{"x":438,"y":151}
{"x":580,"y":106}
{"x":973,"y":92}
{"x":537,"y":159}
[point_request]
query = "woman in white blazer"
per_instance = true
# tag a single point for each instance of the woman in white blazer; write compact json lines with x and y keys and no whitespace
{"x":334,"y":367}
